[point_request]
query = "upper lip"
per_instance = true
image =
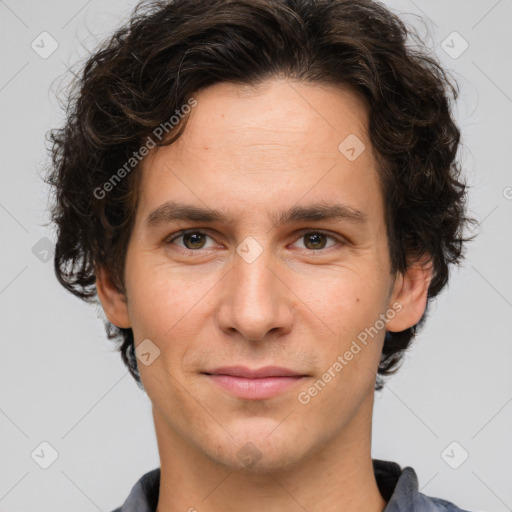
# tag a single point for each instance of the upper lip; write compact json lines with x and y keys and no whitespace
{"x":258,"y":373}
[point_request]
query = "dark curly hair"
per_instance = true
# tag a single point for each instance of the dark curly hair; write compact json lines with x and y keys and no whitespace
{"x":169,"y":50}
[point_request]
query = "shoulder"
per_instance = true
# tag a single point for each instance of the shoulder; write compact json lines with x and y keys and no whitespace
{"x":430,"y":504}
{"x":400,"y":489}
{"x":144,"y":494}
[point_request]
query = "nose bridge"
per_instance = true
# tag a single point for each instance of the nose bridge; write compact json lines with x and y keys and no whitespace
{"x":255,"y":301}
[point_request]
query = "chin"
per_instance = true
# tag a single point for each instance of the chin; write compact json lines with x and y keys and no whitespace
{"x":259,"y":447}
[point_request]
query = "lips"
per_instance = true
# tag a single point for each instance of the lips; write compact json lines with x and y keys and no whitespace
{"x":257,"y":384}
{"x":242,"y":371}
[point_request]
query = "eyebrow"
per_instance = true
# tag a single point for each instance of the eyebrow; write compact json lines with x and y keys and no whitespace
{"x":172,"y":211}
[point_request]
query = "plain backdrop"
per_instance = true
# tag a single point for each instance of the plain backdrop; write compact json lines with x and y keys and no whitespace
{"x":63,"y":384}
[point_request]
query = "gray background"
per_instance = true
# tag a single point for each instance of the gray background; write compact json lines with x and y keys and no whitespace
{"x":63,"y":383}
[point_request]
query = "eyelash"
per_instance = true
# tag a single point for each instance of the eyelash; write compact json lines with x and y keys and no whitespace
{"x":181,"y":234}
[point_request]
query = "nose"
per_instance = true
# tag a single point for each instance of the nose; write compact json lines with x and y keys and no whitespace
{"x":255,"y":301}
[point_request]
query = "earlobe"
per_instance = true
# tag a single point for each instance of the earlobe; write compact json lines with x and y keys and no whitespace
{"x":112,"y":300}
{"x":411,"y":292}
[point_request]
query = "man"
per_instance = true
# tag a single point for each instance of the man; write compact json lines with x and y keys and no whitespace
{"x":264,"y":196}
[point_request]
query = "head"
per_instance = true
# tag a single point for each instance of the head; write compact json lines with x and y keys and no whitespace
{"x":310,"y":155}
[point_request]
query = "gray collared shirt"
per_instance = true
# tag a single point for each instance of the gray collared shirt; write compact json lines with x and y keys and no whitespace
{"x":399,"y":487}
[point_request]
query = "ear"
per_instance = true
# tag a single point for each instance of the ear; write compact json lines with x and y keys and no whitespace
{"x":112,"y":300}
{"x":410,"y":291}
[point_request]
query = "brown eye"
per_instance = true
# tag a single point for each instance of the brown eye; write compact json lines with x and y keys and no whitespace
{"x":194,"y":240}
{"x":191,"y":240}
{"x":316,"y":240}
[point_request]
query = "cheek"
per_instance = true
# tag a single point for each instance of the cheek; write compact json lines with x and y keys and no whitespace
{"x":158,"y":296}
{"x":347,"y":300}
{"x":170,"y":308}
{"x":350,"y":306}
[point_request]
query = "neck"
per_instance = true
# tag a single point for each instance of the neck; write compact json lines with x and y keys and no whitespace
{"x":337,"y":477}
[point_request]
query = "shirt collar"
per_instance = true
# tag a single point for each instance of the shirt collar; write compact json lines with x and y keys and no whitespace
{"x":399,"y":487}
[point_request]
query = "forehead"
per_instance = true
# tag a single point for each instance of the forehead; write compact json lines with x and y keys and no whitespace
{"x":279,"y":143}
{"x":274,"y":115}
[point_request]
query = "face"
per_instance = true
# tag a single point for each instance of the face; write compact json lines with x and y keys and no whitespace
{"x":289,"y":270}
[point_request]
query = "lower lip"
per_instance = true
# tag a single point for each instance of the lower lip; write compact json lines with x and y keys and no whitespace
{"x":255,"y":389}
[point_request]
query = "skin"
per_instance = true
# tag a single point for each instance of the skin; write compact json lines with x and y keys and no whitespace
{"x":252,"y":152}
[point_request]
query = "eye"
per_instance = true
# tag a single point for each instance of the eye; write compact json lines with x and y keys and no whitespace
{"x":316,"y":240}
{"x":192,"y":240}
{"x":195,"y":240}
